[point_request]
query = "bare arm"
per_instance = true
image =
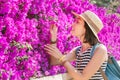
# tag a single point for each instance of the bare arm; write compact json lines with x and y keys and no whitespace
{"x":69,"y":56}
{"x":100,"y":55}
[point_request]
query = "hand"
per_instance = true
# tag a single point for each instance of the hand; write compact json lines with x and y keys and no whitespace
{"x":53,"y":51}
{"x":53,"y":32}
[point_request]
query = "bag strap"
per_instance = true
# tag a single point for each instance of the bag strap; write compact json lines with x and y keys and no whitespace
{"x":100,"y":69}
{"x":103,"y":74}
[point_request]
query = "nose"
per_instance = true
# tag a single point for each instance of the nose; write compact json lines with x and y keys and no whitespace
{"x":73,"y":24}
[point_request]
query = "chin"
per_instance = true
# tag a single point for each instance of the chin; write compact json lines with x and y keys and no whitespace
{"x":74,"y":35}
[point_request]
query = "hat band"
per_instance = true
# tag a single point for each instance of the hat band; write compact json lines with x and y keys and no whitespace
{"x":88,"y":20}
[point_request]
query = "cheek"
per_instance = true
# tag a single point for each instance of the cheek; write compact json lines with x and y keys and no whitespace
{"x":80,"y":30}
{"x":76,"y":30}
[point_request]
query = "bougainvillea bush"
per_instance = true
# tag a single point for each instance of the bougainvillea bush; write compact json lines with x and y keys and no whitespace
{"x":24,"y":30}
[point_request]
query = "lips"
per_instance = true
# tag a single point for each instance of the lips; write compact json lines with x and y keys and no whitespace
{"x":72,"y":29}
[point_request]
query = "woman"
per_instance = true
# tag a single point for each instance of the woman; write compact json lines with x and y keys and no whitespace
{"x":85,"y":28}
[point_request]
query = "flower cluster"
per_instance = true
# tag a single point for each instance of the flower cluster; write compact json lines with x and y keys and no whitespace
{"x":24,"y":26}
{"x":118,"y":10}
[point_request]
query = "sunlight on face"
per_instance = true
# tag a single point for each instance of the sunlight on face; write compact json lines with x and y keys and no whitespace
{"x":78,"y":28}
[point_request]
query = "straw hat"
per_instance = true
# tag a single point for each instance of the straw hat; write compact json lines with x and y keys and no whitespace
{"x":92,"y":20}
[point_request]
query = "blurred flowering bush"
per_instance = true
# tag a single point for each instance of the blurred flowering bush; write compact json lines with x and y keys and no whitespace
{"x":24,"y":26}
{"x":111,"y":5}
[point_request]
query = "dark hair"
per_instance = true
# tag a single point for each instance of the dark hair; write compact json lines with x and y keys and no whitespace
{"x":89,"y":36}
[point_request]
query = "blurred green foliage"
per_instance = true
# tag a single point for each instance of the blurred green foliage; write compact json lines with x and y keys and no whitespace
{"x":111,"y":5}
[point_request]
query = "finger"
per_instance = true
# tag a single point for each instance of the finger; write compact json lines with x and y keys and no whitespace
{"x":51,"y":26}
{"x":50,"y":47}
{"x":49,"y":52}
{"x":47,"y":49}
{"x":52,"y":53}
{"x":55,"y":27}
{"x":47,"y":45}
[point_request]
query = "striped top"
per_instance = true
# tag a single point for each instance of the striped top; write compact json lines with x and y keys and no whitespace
{"x":82,"y":61}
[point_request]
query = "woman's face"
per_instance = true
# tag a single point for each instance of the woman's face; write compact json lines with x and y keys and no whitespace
{"x":78,"y":28}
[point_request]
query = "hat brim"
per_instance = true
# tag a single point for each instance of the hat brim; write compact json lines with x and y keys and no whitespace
{"x":77,"y":15}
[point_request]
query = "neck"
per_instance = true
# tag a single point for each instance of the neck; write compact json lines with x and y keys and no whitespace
{"x":85,"y":46}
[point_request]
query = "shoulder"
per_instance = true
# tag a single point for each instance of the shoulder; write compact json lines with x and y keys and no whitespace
{"x":101,"y":50}
{"x":101,"y":47}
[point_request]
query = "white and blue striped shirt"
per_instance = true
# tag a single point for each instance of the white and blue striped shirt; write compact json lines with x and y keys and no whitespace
{"x":83,"y":59}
